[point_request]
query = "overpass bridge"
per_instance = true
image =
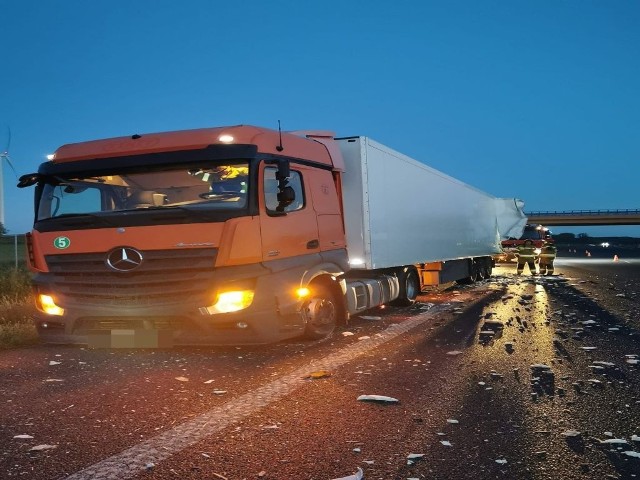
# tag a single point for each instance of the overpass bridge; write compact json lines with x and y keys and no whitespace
{"x":571,"y":218}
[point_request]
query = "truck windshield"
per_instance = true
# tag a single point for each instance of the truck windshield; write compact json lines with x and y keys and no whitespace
{"x":221,"y":187}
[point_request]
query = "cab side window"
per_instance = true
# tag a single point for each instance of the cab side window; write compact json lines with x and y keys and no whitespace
{"x":271,"y":190}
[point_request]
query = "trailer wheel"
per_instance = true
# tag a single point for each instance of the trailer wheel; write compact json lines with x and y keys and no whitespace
{"x":474,"y":274}
{"x":320,"y":313}
{"x":409,"y":288}
{"x":487,"y":270}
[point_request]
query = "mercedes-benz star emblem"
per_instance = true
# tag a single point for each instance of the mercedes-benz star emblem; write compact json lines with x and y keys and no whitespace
{"x":124,"y":259}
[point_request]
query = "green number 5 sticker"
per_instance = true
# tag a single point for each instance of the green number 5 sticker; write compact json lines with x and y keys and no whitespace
{"x":61,"y":243}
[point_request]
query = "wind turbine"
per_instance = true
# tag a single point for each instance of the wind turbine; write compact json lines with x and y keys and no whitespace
{"x":4,"y":156}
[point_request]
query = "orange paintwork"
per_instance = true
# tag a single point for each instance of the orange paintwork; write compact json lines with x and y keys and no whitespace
{"x":240,"y":242}
{"x":158,"y":237}
{"x":265,"y":139}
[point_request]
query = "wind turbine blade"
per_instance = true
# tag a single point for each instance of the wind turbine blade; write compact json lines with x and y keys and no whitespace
{"x":6,"y":157}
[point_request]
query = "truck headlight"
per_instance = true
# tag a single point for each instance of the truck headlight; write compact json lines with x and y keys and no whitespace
{"x":230,"y":302}
{"x":47,"y":304}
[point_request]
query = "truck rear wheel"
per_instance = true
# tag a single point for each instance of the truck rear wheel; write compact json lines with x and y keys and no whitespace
{"x":320,"y":313}
{"x":409,"y":288}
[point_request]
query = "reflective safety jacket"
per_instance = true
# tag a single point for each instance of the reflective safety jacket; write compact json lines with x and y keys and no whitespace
{"x":548,"y":252}
{"x":527,"y":252}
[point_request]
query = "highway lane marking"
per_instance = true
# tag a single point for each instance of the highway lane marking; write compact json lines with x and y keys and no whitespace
{"x":134,"y":460}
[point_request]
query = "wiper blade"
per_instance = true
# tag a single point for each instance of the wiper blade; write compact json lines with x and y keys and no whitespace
{"x":69,"y":219}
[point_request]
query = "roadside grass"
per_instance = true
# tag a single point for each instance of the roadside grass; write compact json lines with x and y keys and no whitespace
{"x":16,"y":308}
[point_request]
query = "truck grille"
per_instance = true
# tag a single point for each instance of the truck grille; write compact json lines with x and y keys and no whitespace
{"x":164,"y":277}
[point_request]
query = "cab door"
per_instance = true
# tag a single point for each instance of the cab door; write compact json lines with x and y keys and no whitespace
{"x":293,"y":232}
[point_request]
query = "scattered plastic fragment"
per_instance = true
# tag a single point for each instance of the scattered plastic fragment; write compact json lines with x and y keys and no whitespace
{"x":208,"y":382}
{"x":377,"y":398}
{"x":53,"y":362}
{"x":219,"y":392}
{"x":446,"y":443}
{"x":631,"y":453}
{"x":588,"y":348}
{"x":571,"y":433}
{"x":614,"y":441}
{"x":501,"y":461}
{"x":451,"y":420}
{"x":347,"y":334}
{"x":371,"y":318}
{"x":150,"y":466}
{"x":454,"y":352}
{"x":39,"y":448}
{"x":319,"y":374}
{"x":182,"y":379}
{"x":359,"y":475}
{"x":365,"y":337}
{"x":26,"y":437}
{"x":415,"y":456}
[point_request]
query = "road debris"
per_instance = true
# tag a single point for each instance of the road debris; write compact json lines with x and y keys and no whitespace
{"x":40,"y":448}
{"x":378,"y":398}
{"x":359,"y":475}
{"x":318,"y":374}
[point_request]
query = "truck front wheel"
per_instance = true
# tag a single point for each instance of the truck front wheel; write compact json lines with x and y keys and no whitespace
{"x":320,"y":313}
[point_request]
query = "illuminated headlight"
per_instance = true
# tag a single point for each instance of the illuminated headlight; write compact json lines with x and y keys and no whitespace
{"x":230,"y":302}
{"x":46,"y":304}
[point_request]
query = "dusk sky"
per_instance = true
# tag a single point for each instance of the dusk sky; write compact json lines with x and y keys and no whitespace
{"x":538,"y":100}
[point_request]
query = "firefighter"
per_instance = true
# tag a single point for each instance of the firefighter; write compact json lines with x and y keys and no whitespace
{"x":527,"y":254}
{"x":547,"y":256}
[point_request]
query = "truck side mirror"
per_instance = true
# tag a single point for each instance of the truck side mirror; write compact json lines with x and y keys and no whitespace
{"x":285,"y":198}
{"x":28,"y":180}
{"x":283,"y":172}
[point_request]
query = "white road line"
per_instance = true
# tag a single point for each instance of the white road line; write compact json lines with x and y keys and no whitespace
{"x":133,"y":461}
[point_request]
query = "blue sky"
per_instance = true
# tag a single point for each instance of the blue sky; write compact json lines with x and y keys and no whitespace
{"x":538,"y":100}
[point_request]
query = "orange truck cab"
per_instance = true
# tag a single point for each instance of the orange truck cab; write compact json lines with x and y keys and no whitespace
{"x":210,"y":236}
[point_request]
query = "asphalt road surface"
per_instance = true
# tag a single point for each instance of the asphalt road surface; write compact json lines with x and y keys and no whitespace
{"x":514,"y":378}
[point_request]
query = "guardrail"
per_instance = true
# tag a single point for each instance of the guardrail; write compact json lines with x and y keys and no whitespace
{"x":586,"y":212}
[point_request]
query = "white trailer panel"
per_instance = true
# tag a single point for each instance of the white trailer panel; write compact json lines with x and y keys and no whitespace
{"x":399,"y":211}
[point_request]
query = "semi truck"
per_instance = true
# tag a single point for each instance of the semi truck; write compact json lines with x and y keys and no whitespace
{"x":242,"y":234}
